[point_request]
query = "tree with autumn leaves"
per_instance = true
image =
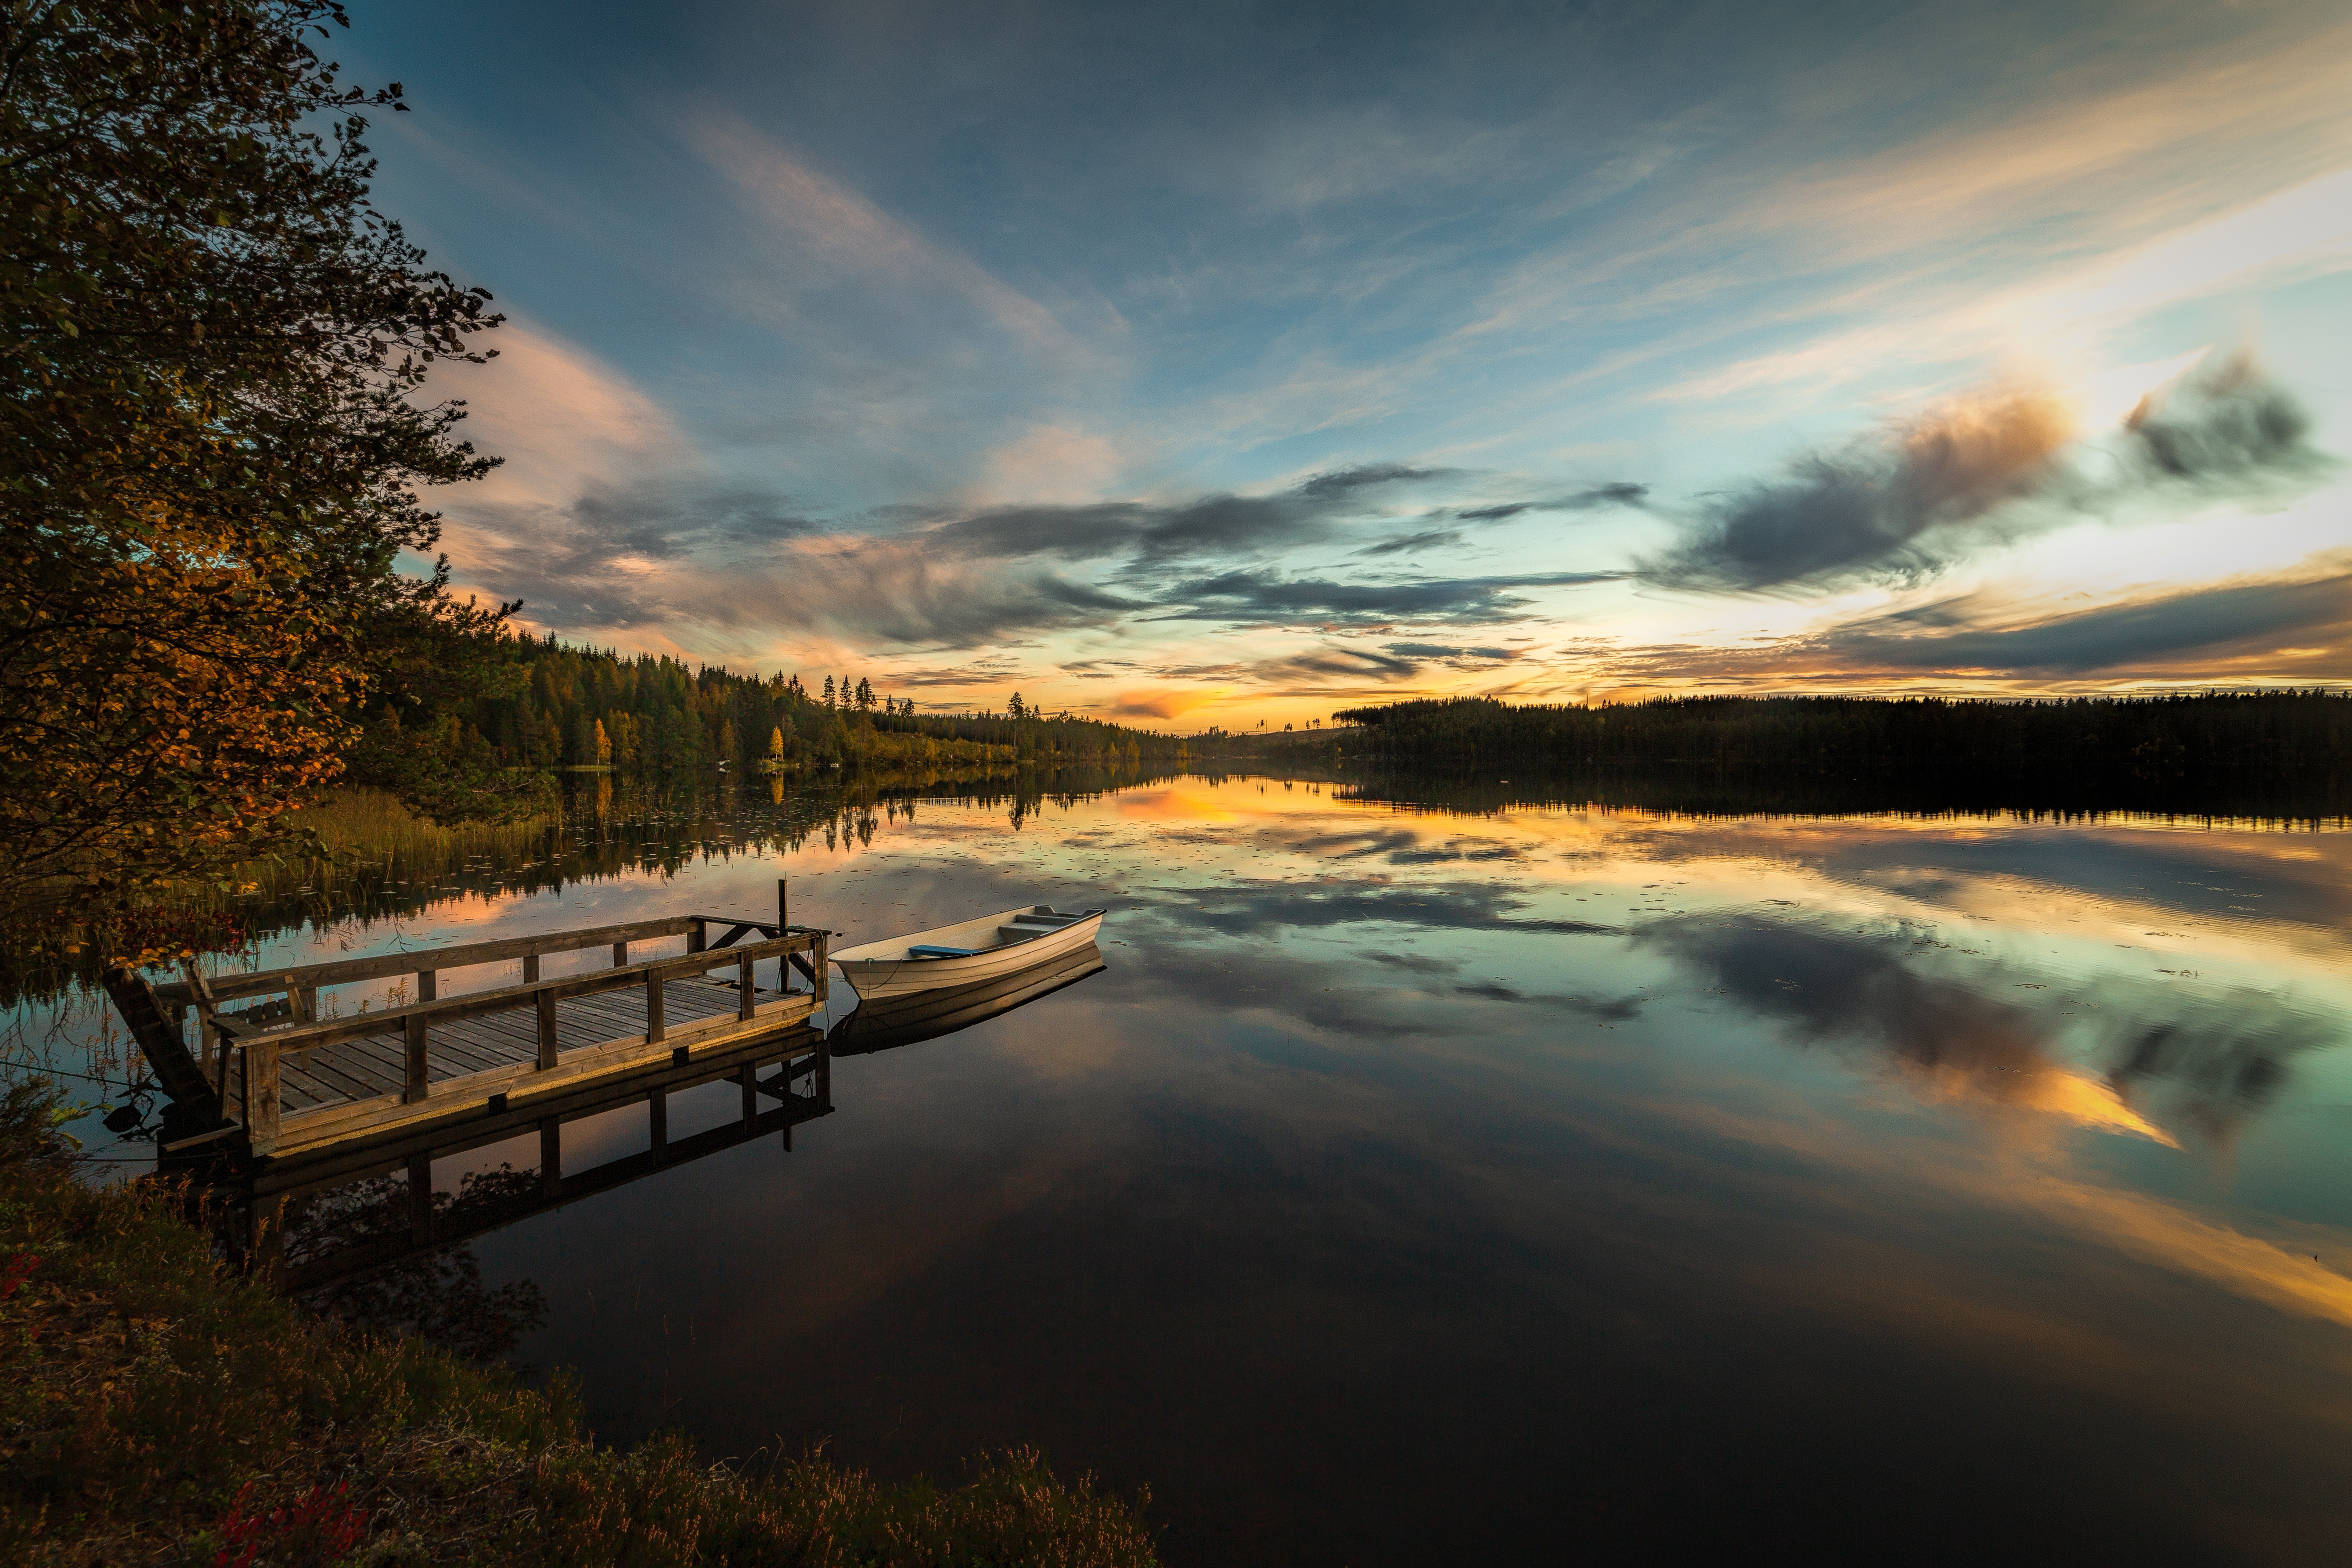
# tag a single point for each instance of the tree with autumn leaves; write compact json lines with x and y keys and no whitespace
{"x":212,"y":442}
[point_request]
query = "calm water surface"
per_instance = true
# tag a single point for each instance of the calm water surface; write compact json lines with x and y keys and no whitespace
{"x":1416,"y":1185}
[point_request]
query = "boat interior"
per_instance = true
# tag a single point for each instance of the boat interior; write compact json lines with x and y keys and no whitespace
{"x":987,"y":933}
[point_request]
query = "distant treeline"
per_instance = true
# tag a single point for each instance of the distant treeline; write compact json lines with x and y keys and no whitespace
{"x":561,"y":706}
{"x":2305,"y":734}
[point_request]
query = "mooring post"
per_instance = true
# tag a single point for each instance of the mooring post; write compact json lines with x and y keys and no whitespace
{"x":818,"y":954}
{"x":743,"y":993}
{"x":784,"y":904}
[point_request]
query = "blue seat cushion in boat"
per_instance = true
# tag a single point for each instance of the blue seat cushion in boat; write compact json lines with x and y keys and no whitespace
{"x":926,"y":950}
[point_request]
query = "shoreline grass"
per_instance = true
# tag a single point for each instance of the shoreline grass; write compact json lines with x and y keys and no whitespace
{"x":155,"y":1407}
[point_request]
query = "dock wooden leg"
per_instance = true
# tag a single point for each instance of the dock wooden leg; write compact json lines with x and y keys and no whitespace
{"x":824,"y":1074}
{"x":743,"y":995}
{"x":546,"y":1000}
{"x":428,"y":985}
{"x":817,"y":953}
{"x":414,"y":1031}
{"x":550,"y":1156}
{"x":654,"y":1029}
{"x":260,"y":1097}
{"x":530,"y":968}
{"x":420,"y":1196}
{"x":657,"y":1117}
{"x":748,"y":1076}
{"x":620,"y":955}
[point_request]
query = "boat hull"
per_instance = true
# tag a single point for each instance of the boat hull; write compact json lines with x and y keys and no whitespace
{"x":897,"y":976}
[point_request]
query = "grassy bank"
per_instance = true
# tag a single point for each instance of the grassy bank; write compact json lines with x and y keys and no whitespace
{"x":154,"y":1408}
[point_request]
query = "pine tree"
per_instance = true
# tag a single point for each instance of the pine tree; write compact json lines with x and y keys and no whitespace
{"x":865,"y":695}
{"x":828,"y":691}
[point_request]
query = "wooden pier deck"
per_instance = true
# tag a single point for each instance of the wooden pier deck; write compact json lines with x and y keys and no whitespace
{"x":276,"y":1079}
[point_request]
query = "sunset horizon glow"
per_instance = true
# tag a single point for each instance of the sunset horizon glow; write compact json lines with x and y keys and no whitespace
{"x":1217,"y":368}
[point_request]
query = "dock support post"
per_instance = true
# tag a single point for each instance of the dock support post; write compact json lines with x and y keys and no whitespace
{"x":823,"y":1072}
{"x":414,"y":1029}
{"x":654,"y":1028}
{"x":306,"y":1005}
{"x":817,"y":955}
{"x":546,"y":1000}
{"x":420,"y":1197}
{"x":428,"y":985}
{"x":743,"y":993}
{"x":657,"y":1117}
{"x":748,"y":1076}
{"x":530,"y":968}
{"x":784,"y":904}
{"x":620,"y":955}
{"x":696,"y":938}
{"x":550,"y":1156}
{"x":260,"y":1096}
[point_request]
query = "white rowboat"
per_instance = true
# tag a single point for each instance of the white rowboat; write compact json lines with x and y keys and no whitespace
{"x":992,"y":944}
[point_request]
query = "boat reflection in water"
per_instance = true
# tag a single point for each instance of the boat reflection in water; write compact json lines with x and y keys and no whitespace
{"x":366,"y":1236}
{"x":909,"y":1017}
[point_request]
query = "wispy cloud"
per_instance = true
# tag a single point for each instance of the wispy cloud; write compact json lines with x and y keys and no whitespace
{"x":2295,"y":627}
{"x":1221,"y":524}
{"x":1264,"y":597}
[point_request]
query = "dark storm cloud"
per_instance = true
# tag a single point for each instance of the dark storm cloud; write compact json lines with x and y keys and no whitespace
{"x":2211,"y":622}
{"x":1213,"y":525}
{"x":1254,"y":596}
{"x":1908,"y":501}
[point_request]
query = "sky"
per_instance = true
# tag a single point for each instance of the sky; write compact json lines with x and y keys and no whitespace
{"x":1219,"y":365}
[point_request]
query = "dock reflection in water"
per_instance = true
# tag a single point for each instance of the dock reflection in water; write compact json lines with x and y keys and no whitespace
{"x":368,"y":1237}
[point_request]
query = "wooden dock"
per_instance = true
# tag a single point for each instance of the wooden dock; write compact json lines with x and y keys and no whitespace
{"x":276,"y":1080}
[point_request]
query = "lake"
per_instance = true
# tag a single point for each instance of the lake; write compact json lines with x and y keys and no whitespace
{"x":1420,"y":1184}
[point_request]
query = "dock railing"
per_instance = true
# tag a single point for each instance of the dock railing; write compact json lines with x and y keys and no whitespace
{"x":269,"y":1035}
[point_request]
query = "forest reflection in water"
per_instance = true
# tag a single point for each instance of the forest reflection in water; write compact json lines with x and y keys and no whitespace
{"x":1425,"y":1172}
